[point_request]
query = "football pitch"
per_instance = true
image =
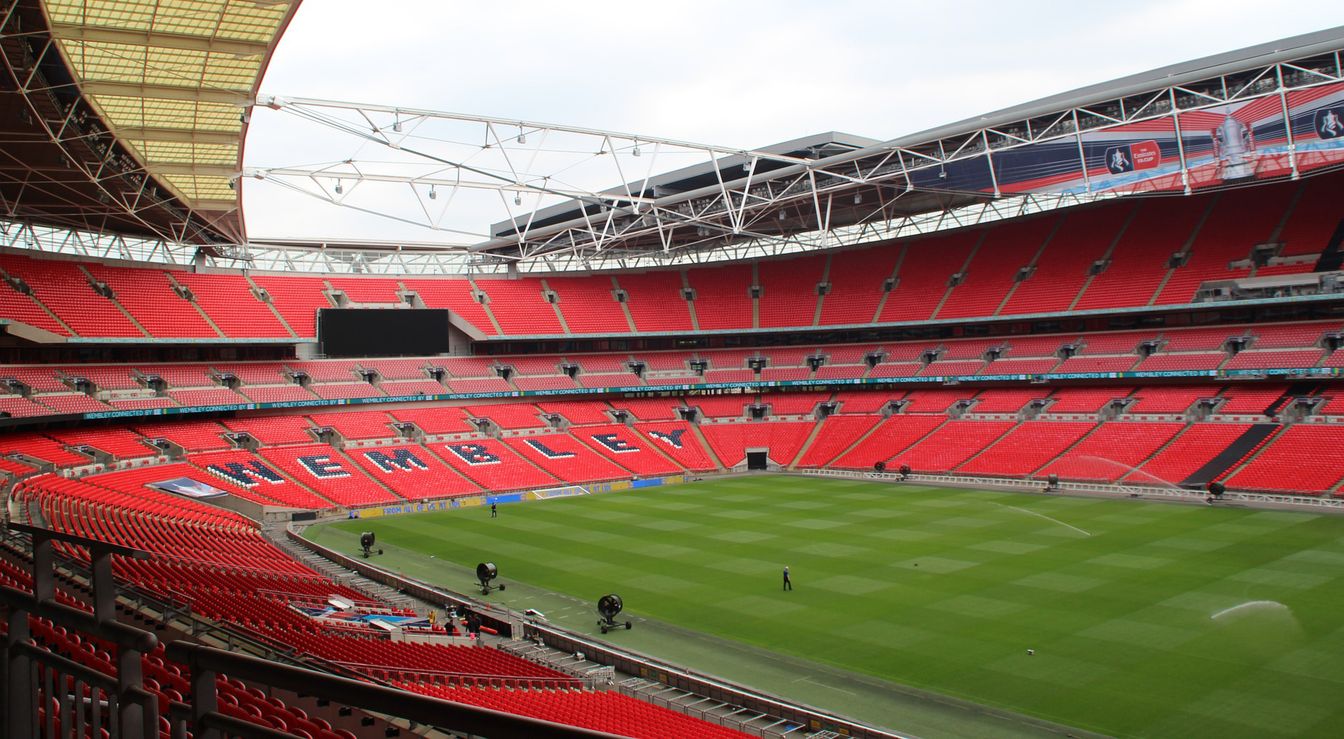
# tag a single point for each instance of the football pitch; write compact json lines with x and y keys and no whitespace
{"x":1146,"y":619}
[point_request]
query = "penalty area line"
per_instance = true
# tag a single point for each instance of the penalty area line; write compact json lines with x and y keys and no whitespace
{"x":1048,"y":518}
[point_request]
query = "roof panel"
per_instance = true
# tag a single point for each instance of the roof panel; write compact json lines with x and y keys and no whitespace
{"x":184,"y":53}
{"x":188,"y":17}
{"x":134,"y":15}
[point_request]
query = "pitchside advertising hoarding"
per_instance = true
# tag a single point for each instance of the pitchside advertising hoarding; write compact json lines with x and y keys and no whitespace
{"x":1254,"y":139}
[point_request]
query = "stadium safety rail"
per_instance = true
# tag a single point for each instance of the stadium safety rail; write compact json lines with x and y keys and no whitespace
{"x":747,"y":386}
{"x":38,"y":703}
{"x":1131,"y":491}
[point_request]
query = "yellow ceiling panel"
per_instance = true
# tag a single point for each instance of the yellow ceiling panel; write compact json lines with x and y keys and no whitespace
{"x":155,"y":71}
{"x":201,"y":187}
{"x":187,"y":153}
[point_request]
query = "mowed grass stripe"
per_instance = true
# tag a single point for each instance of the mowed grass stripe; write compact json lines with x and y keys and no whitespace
{"x":946,"y":589}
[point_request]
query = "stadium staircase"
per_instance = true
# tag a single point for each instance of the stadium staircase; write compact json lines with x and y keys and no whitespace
{"x":184,"y":291}
{"x":709,"y":450}
{"x":807,"y":444}
{"x":390,"y":596}
{"x":1252,"y":440}
{"x":625,"y":305}
{"x":984,"y":449}
{"x":1105,"y":258}
{"x":270,"y":305}
{"x":962,"y":270}
{"x":874,"y":429}
{"x":1185,"y":249}
{"x":1068,"y":450}
{"x":113,"y":300}
{"x":485,"y":307}
{"x":559,"y":314}
{"x":690,"y":304}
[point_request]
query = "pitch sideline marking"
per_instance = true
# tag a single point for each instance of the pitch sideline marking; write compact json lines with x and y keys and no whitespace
{"x":824,"y":685}
{"x":1042,"y":515}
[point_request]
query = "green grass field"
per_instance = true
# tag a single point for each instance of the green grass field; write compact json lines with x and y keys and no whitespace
{"x":1147,"y":619}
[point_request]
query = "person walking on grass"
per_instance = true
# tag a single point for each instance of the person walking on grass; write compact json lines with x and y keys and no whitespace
{"x":788,"y":584}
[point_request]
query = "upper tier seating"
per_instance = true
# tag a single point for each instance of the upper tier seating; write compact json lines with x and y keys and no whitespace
{"x":722,"y":299}
{"x":655,"y":301}
{"x":456,"y":295}
{"x":148,"y":295}
{"x":1062,"y":269}
{"x":1039,"y":264}
{"x":297,"y":299}
{"x":368,"y":290}
{"x":992,"y":271}
{"x":926,"y":267}
{"x":230,"y":302}
{"x":1159,"y":228}
{"x":857,"y":279}
{"x":589,"y":305}
{"x":63,"y":287}
{"x":1239,"y":220}
{"x":520,"y":307}
{"x":789,"y":290}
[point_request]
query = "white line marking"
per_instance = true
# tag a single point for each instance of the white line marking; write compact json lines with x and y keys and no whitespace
{"x":824,"y":685}
{"x":1042,"y":515}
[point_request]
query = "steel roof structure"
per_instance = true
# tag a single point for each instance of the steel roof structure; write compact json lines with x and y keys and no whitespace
{"x":134,"y":112}
{"x":129,"y":115}
{"x":824,"y":191}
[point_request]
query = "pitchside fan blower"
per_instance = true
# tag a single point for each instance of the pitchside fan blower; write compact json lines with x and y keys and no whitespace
{"x":607,"y":607}
{"x":366,"y":540}
{"x":485,"y":572}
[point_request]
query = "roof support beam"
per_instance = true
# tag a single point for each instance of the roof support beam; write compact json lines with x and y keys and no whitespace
{"x":167,"y":92}
{"x":178,"y":136}
{"x":207,"y":170}
{"x":161,"y":40}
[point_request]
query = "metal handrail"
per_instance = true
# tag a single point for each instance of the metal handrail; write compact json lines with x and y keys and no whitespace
{"x":205,"y":663}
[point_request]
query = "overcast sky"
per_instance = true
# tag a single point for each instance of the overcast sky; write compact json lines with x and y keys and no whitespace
{"x":741,"y":74}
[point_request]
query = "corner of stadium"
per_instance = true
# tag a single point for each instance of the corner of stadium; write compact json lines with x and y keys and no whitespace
{"x":1038,"y":415}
